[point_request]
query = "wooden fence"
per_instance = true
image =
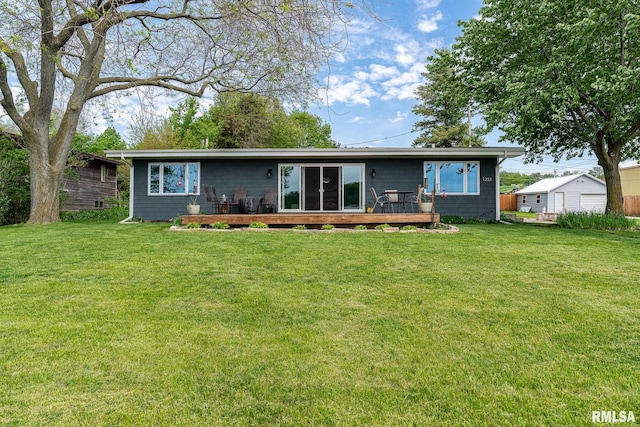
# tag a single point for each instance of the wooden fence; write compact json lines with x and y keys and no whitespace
{"x":631,"y":205}
{"x":508,"y":202}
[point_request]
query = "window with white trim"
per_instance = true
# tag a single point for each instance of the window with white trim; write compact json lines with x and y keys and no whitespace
{"x":452,"y":177}
{"x":174,"y":178}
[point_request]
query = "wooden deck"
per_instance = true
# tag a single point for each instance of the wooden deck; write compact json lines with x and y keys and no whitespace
{"x":317,"y":219}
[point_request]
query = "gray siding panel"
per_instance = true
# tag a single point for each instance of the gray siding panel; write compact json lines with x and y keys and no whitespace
{"x":392,"y":174}
{"x":531,"y":202}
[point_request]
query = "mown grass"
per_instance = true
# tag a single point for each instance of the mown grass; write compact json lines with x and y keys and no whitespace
{"x":106,"y":324}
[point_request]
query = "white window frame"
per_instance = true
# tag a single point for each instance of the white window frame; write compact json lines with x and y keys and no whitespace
{"x":187,"y":183}
{"x":465,"y":184}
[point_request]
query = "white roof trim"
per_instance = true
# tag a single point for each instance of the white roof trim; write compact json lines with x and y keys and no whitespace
{"x":320,"y":153}
{"x":629,"y":164}
{"x":548,"y":185}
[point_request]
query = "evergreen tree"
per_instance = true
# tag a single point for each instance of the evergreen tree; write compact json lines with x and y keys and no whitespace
{"x":443,"y":107}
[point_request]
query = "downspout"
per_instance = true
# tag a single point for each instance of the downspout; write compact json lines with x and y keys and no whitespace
{"x":127,"y":219}
{"x":498,"y":163}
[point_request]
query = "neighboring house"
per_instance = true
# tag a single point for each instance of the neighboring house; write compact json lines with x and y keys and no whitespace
{"x":90,"y":185}
{"x":316,"y":180}
{"x":572,"y":193}
{"x":630,"y":178}
{"x":17,"y":139}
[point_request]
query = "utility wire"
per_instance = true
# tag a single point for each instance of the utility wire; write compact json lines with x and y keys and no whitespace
{"x":379,"y":139}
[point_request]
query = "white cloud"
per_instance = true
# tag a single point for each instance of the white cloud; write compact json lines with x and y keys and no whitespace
{"x":379,"y":72}
{"x":404,"y":55}
{"x":429,"y":24}
{"x":347,"y":90}
{"x":355,"y":119}
{"x":404,"y":85}
{"x":428,"y":4}
{"x":399,"y":117}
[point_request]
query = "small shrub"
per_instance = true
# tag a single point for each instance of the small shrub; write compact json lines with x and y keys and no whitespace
{"x":452,"y":219}
{"x":258,"y":225}
{"x":594,"y":221}
{"x":409,"y":227}
{"x":193,"y":225}
{"x":176,"y":220}
{"x":116,"y":213}
{"x":300,"y":227}
{"x":382,"y":226}
{"x":220,"y":225}
{"x":327,"y":227}
{"x":360,"y":227}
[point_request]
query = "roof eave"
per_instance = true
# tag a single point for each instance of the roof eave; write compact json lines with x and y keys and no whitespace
{"x":328,"y":153}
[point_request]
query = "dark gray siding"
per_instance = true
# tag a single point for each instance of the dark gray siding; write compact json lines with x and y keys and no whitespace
{"x":392,"y":174}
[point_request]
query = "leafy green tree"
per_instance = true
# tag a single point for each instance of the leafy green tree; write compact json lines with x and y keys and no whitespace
{"x":243,"y":121}
{"x":597,"y":172}
{"x":190,"y":128}
{"x":14,"y":182}
{"x":85,"y":50}
{"x":110,"y":139}
{"x":315,"y":131}
{"x":559,"y":77}
{"x":443,"y":106}
{"x":235,"y":120}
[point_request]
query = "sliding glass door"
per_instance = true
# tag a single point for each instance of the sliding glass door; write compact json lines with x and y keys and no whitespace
{"x":322,"y":188}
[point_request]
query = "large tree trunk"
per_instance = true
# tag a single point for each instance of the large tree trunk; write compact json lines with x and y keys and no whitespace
{"x":45,"y":190}
{"x":615,"y":203}
{"x":607,"y":150}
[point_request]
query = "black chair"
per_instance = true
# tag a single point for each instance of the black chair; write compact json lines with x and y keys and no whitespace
{"x":250,"y":205}
{"x":270,"y":199}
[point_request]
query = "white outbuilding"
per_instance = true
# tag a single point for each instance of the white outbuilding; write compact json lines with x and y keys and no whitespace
{"x":572,"y":193}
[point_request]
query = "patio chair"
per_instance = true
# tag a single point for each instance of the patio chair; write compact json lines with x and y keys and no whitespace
{"x":212,"y":198}
{"x":239,"y":193}
{"x":393,"y":197}
{"x":414,"y":202}
{"x":270,"y":199}
{"x":383,"y":201}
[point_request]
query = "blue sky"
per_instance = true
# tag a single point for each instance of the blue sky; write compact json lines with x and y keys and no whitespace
{"x":370,"y":93}
{"x":371,"y":84}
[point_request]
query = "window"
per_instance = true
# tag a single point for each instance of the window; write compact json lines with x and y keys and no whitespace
{"x":524,"y":199}
{"x":452,"y":177}
{"x":174,"y":178}
{"x":537,"y":198}
{"x":103,"y":173}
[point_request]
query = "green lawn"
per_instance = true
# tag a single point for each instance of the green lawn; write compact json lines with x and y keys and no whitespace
{"x":106,"y":324}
